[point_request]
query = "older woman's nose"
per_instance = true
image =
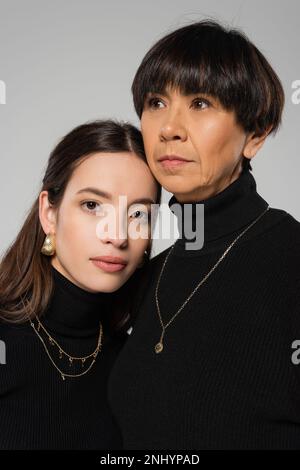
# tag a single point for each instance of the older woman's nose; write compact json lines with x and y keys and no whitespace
{"x":173,"y":129}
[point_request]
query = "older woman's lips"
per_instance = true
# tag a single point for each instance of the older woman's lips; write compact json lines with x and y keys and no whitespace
{"x":173,"y":161}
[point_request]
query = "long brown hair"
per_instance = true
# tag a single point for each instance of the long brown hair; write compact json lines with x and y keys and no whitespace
{"x":26,"y":283}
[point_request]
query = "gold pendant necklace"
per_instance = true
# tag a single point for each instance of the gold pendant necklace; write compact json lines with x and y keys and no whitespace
{"x":159,"y":346}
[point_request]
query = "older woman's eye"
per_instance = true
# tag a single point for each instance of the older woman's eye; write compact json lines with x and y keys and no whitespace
{"x":196,"y":102}
{"x":153,"y":103}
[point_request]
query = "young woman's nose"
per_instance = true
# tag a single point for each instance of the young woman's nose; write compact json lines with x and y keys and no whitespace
{"x":117,"y":242}
{"x":117,"y":232}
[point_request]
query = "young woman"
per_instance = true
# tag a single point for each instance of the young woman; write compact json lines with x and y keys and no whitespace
{"x":67,"y":286}
{"x":213,"y":345}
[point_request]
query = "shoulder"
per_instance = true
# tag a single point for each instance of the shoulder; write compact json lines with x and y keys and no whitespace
{"x":280,"y":250}
{"x":278,"y":234}
{"x":13,"y":330}
{"x":15,"y":338}
{"x":277,"y":246}
{"x":285,"y":219}
{"x":291,"y":227}
{"x":15,"y":353}
{"x":286,"y":232}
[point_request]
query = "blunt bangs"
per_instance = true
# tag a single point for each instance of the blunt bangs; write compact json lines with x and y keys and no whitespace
{"x":204,"y":57}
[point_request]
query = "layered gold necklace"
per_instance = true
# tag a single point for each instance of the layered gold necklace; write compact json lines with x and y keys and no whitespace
{"x":84,"y":360}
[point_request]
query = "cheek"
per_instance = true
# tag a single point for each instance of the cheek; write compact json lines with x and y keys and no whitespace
{"x":218,"y":137}
{"x":137,"y":249}
{"x":149,"y":133}
{"x":149,"y":146}
{"x":73,"y":231}
{"x":213,"y":134}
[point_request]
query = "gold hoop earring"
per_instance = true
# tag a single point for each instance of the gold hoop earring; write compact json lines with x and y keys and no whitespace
{"x":48,"y":247}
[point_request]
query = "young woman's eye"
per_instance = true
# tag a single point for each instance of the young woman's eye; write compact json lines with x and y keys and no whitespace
{"x":153,"y":103}
{"x":140,"y":215}
{"x":202,"y":101}
{"x":91,"y":205}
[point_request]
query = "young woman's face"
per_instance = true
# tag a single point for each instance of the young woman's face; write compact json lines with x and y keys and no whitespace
{"x":81,"y":223}
{"x":198,"y":129}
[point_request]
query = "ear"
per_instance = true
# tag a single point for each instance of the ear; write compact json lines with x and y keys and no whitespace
{"x":47,"y":213}
{"x":254,"y":143}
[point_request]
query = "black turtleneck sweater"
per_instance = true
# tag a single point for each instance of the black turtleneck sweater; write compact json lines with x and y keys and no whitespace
{"x":225,"y":378}
{"x":38,"y":410}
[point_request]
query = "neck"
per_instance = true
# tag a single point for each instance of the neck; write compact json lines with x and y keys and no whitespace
{"x":225,"y":213}
{"x":73,"y":310}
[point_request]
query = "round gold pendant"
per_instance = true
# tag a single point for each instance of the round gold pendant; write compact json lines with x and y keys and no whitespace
{"x":158,"y":347}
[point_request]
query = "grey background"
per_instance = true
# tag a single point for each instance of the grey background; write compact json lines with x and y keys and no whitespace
{"x":66,"y":62}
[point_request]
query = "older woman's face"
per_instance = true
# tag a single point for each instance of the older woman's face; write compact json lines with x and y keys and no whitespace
{"x":198,"y":129}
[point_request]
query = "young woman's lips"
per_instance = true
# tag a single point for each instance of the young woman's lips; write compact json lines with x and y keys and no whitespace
{"x":108,"y":267}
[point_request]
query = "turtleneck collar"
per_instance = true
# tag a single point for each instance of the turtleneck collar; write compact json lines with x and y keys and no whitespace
{"x":72,"y":310}
{"x":224,"y":213}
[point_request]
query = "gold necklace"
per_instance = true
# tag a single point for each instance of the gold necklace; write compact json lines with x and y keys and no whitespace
{"x":62,"y":352}
{"x":159,"y":346}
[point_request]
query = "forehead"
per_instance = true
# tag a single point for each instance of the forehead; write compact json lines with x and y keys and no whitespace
{"x":116,"y":173}
{"x":170,"y":91}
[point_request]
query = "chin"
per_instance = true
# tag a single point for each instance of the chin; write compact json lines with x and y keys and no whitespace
{"x":179,"y":185}
{"x":171,"y":183}
{"x":113,"y":282}
{"x":109,"y":288}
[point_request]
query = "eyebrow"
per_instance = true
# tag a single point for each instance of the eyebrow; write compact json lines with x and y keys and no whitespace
{"x":165,"y":93}
{"x":107,"y":195}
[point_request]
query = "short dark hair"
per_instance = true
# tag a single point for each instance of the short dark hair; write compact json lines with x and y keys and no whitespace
{"x":210,"y":58}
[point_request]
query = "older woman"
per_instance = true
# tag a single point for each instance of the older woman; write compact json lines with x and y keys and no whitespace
{"x":209,"y":364}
